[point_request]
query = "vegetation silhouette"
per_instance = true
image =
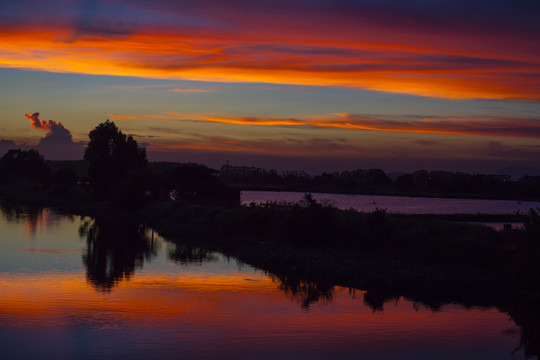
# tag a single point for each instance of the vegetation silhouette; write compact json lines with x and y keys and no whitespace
{"x":307,"y":293}
{"x":111,"y":155}
{"x":532,"y":224}
{"x":27,"y":164}
{"x":375,"y":181}
{"x":195,"y":182}
{"x":188,"y":254}
{"x":113,"y":252}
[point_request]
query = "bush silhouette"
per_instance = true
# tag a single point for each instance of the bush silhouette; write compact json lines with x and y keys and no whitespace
{"x":28,"y":164}
{"x":193,"y":182}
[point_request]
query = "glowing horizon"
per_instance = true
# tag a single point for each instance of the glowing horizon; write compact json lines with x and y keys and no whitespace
{"x":262,"y":83}
{"x":217,"y":47}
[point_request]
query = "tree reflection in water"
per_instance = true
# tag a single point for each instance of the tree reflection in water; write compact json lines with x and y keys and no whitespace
{"x":524,"y":310}
{"x":187,"y":254}
{"x":305,"y":292}
{"x":15,"y":213}
{"x":31,"y":216}
{"x":113,"y":253}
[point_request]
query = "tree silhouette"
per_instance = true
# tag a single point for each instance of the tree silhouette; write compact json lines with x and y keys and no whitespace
{"x":111,"y":155}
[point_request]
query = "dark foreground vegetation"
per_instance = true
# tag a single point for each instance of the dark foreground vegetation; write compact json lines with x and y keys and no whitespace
{"x":308,"y":247}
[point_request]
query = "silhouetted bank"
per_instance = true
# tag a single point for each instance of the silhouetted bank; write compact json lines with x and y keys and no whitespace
{"x":191,"y":201}
{"x":321,"y":239}
{"x":375,"y":181}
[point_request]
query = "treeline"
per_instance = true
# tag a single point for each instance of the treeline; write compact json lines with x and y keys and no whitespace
{"x":114,"y":170}
{"x":376,"y":181}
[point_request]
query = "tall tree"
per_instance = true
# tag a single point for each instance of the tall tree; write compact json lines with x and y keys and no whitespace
{"x":111,"y":155}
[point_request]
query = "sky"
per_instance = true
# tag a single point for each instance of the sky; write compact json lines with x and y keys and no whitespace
{"x":314,"y":85}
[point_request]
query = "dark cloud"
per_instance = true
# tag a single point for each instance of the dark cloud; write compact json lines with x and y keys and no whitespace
{"x":497,"y":149}
{"x":104,"y":20}
{"x":123,"y":17}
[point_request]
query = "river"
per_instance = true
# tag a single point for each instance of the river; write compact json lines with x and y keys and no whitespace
{"x":397,"y":204}
{"x":74,"y":289}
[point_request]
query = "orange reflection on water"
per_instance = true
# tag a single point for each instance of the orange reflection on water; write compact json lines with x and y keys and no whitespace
{"x":242,"y":305}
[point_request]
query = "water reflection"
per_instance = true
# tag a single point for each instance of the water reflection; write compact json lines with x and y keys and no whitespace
{"x":188,"y":254}
{"x":32,"y":217}
{"x":523,"y":310}
{"x":307,"y":293}
{"x":113,"y":253}
{"x":242,"y":312}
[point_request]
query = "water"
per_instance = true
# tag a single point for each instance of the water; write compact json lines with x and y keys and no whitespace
{"x":398,"y":204}
{"x":73,"y":289}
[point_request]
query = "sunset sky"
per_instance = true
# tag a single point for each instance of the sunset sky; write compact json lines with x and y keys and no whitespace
{"x":318,"y":85}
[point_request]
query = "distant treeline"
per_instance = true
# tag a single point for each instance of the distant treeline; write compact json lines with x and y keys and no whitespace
{"x":360,"y":181}
{"x":376,"y":181}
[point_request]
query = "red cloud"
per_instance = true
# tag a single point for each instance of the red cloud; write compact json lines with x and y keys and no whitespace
{"x":47,"y":125}
{"x":370,"y":47}
{"x":489,"y":126}
{"x":57,"y":143}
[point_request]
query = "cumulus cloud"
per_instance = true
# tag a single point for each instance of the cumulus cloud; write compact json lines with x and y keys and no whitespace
{"x":57,"y":144}
{"x":54,"y":129}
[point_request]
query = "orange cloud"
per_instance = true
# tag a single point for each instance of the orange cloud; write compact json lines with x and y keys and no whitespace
{"x":162,"y":87}
{"x":189,"y":90}
{"x":448,"y":66}
{"x":449,"y":125}
{"x":40,"y":124}
{"x":285,"y":147}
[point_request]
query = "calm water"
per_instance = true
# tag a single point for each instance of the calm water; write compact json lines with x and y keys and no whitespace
{"x":72,"y":289}
{"x":399,"y":204}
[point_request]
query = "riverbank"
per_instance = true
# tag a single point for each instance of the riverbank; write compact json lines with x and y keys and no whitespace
{"x":315,"y":241}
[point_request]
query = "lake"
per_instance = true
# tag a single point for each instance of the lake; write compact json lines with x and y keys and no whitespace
{"x":75,"y":289}
{"x":398,"y":204}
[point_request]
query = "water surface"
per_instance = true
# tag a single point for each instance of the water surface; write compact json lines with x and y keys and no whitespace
{"x":74,"y":289}
{"x":398,"y":204}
